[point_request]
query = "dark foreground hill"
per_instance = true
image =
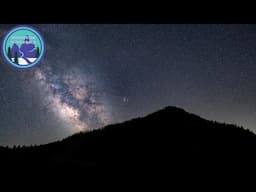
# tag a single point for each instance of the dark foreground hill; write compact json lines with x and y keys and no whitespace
{"x":169,"y":141}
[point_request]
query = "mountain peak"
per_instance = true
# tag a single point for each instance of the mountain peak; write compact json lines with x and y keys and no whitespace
{"x":173,"y":108}
{"x":169,"y":111}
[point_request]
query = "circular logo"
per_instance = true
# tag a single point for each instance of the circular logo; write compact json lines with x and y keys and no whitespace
{"x":23,"y":47}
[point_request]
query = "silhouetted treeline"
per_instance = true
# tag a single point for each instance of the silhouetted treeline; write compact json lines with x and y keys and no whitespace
{"x":169,"y":140}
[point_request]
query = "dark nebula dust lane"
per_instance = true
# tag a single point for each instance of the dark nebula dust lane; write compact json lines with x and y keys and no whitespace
{"x":94,"y":74}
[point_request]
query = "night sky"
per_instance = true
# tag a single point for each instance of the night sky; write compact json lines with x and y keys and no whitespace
{"x":94,"y":75}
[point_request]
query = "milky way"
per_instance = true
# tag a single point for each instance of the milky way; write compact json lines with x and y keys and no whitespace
{"x":61,"y":96}
{"x":72,"y":98}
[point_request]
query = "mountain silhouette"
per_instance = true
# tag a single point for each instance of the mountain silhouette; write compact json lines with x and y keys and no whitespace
{"x":169,"y":140}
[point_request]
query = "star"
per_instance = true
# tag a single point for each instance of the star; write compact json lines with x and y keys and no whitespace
{"x":125,"y":100}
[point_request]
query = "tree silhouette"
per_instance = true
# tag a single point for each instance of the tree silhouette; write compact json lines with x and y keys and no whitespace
{"x":37,"y":52}
{"x":16,"y":60}
{"x":9,"y":54}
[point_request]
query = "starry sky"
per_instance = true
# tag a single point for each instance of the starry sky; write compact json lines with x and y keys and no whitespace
{"x":97,"y":74}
